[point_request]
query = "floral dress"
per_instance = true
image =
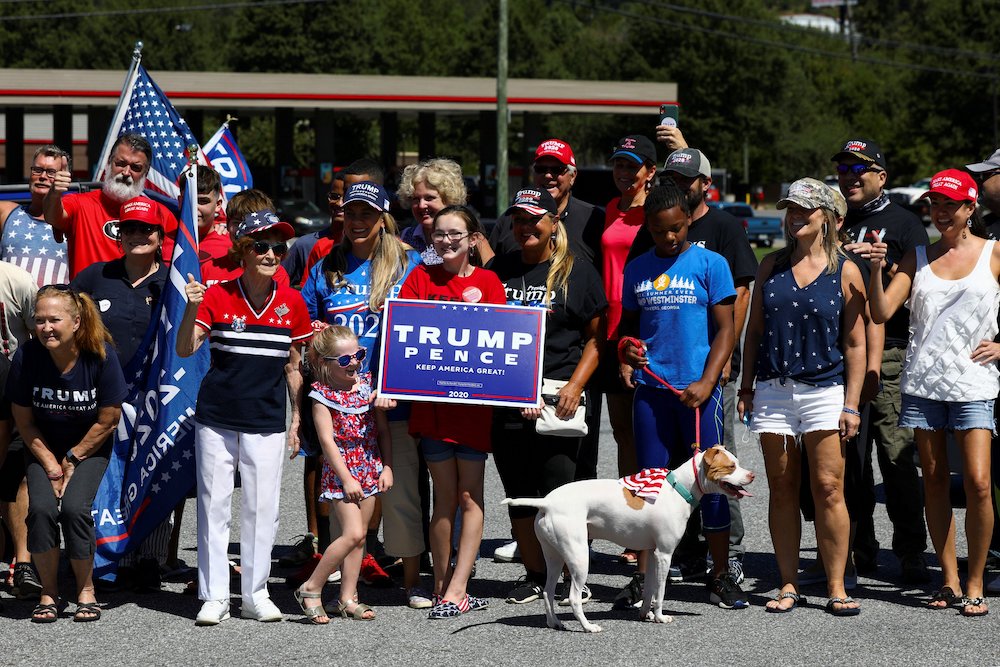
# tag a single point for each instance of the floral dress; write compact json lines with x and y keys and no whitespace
{"x":356,"y":436}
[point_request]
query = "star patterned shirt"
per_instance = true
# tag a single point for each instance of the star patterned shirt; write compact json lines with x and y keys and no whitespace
{"x":28,"y":242}
{"x":245,"y":388}
{"x":801,"y":338}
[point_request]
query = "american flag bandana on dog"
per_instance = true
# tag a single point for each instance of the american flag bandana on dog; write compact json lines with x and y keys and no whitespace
{"x":646,"y":483}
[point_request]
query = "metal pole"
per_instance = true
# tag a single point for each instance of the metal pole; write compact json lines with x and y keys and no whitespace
{"x":120,"y":110}
{"x":502,"y":111}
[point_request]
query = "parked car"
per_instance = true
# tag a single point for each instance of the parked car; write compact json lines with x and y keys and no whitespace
{"x":303,"y":215}
{"x":911,"y":198}
{"x":762,"y":230}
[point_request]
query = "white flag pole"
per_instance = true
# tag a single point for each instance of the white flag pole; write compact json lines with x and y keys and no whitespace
{"x":120,"y":111}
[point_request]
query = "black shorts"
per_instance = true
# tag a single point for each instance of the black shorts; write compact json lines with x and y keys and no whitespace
{"x":12,"y":471}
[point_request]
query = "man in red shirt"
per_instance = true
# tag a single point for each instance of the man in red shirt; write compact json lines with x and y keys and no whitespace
{"x":90,"y":220}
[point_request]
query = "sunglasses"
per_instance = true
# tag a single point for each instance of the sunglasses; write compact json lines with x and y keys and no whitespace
{"x":555,"y":170}
{"x":345,"y":360}
{"x":279,"y":249}
{"x":856,"y":169}
{"x":141,"y":227}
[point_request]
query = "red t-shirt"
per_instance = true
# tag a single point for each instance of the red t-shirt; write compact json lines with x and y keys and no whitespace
{"x":92,"y":229}
{"x":461,"y":424}
{"x":620,"y":229}
{"x":320,"y":250}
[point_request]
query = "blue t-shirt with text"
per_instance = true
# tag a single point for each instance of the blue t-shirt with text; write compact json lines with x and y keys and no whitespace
{"x":674,"y":297}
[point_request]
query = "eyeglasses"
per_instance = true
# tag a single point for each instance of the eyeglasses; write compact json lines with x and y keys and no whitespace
{"x":261,"y":248}
{"x":345,"y":360}
{"x":450,"y":236}
{"x":334,"y":196}
{"x":137,"y":227}
{"x":554,"y":169}
{"x":38,"y":171}
{"x":135,"y":168}
{"x":856,"y":169}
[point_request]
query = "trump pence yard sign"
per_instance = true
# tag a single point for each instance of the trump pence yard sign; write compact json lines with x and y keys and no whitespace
{"x":454,"y":352}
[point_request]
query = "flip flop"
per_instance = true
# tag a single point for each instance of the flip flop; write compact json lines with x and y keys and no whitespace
{"x":973,"y":602}
{"x":843,"y":611}
{"x":87,"y":612}
{"x":787,"y":595}
{"x":947,"y":595}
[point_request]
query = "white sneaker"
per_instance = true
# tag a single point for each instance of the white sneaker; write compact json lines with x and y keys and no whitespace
{"x":993,"y":586}
{"x":508,"y":553}
{"x":264,"y":611}
{"x":213,"y":612}
{"x":334,"y":578}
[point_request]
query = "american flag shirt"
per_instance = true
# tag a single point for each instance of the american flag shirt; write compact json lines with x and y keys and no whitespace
{"x":28,"y":243}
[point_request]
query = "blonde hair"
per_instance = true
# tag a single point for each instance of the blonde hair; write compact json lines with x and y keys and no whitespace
{"x":442,"y":174}
{"x":831,"y":245}
{"x":388,"y":262}
{"x":91,"y":335}
{"x":324,"y":344}
{"x":561,"y":264}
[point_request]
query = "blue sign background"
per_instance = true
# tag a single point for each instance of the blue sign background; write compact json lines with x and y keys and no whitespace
{"x":455,"y":352}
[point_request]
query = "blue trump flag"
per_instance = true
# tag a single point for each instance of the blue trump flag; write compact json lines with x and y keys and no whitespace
{"x":152,"y":466}
{"x":225,"y":157}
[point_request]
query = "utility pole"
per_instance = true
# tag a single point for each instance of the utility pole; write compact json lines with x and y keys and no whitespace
{"x":502,"y":111}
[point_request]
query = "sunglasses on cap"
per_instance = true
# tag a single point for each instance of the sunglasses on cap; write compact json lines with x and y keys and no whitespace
{"x":345,"y":360}
{"x":143,"y":228}
{"x":856,"y":169}
{"x":261,"y":248}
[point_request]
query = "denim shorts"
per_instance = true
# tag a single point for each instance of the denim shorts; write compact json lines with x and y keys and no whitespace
{"x":931,"y":415}
{"x":794,"y":408}
{"x":436,"y":451}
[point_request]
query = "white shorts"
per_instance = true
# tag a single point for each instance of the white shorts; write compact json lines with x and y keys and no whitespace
{"x":794,"y":408}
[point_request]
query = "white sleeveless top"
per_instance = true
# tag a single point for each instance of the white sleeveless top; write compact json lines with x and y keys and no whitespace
{"x":948,"y":319}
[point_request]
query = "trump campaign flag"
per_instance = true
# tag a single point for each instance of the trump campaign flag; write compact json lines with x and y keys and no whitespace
{"x":151,"y":468}
{"x":144,"y":109}
{"x":225,"y":157}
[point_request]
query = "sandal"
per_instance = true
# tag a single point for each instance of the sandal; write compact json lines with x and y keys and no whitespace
{"x":356,"y":613}
{"x":629,"y":557}
{"x":973,"y":602}
{"x":787,"y":595}
{"x":946,"y":595}
{"x":843,"y":611}
{"x":45,"y":613}
{"x":87,"y":612}
{"x":313,"y":614}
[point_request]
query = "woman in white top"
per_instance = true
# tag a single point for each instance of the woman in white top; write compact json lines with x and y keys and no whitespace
{"x":950,"y":377}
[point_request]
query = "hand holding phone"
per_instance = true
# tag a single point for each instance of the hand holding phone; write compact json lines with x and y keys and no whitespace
{"x":669,"y":114}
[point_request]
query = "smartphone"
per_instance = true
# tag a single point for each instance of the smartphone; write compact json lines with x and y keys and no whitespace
{"x":669,"y":114}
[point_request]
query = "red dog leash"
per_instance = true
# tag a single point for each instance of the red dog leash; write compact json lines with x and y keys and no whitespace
{"x":623,"y":345}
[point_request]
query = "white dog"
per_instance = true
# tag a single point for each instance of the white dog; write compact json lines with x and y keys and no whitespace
{"x":605,"y":509}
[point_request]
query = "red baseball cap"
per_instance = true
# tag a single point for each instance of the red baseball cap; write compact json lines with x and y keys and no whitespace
{"x":558,"y":149}
{"x":954,"y":184}
{"x":140,"y":209}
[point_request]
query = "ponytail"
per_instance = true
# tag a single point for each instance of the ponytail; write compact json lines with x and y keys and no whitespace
{"x":91,"y":335}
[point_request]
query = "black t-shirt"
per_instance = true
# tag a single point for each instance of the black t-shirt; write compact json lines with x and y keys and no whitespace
{"x":125,"y":310}
{"x":569,"y":313}
{"x":584,"y":223}
{"x":65,"y":406}
{"x":902,"y":231}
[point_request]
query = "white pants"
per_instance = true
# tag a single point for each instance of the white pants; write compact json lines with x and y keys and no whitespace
{"x":259,"y":458}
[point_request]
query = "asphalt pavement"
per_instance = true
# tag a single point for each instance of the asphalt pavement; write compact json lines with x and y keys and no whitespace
{"x":893,"y":628}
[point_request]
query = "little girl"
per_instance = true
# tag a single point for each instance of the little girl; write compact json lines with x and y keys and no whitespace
{"x":353,"y":434}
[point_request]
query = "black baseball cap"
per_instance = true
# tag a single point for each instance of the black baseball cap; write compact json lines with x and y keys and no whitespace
{"x":635,"y":147}
{"x":863,"y":149}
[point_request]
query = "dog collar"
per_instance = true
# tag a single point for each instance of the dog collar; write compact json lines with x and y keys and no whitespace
{"x":685,"y":494}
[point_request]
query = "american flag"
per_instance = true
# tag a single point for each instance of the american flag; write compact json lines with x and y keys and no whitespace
{"x":646,"y":483}
{"x":148,"y":112}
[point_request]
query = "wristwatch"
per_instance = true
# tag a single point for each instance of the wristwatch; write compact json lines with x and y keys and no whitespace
{"x":73,"y":459}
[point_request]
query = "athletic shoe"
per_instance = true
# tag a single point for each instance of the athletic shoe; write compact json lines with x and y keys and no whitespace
{"x":418,"y":598}
{"x":213,"y":612}
{"x":372,"y":574}
{"x":689,"y":571}
{"x":264,"y":611}
{"x":524,"y":591}
{"x":334,"y":578}
{"x":303,"y":550}
{"x":725,"y":592}
{"x":993,"y":586}
{"x":736,"y":569}
{"x":562,"y":594}
{"x":508,"y":553}
{"x":26,"y":583}
{"x":630,"y":597}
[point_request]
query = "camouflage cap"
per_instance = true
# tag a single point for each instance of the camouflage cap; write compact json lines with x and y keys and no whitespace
{"x":809,"y":193}
{"x":840,"y":204}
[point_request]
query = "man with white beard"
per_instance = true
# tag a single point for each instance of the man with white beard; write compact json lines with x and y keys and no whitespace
{"x":90,"y":220}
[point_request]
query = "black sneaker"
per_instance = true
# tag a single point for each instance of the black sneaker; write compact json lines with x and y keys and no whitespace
{"x":695,"y":570}
{"x":301,"y":552}
{"x":525,"y":591}
{"x":26,"y":583}
{"x":630,"y":597}
{"x":725,"y":592}
{"x":146,"y":578}
{"x":562,"y":594}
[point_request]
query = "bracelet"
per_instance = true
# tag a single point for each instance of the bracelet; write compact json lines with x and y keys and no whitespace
{"x":851,"y":411}
{"x":54,"y":477}
{"x":745,"y":391}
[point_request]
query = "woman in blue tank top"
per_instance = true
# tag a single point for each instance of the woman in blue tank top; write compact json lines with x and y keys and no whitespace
{"x":805,"y":347}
